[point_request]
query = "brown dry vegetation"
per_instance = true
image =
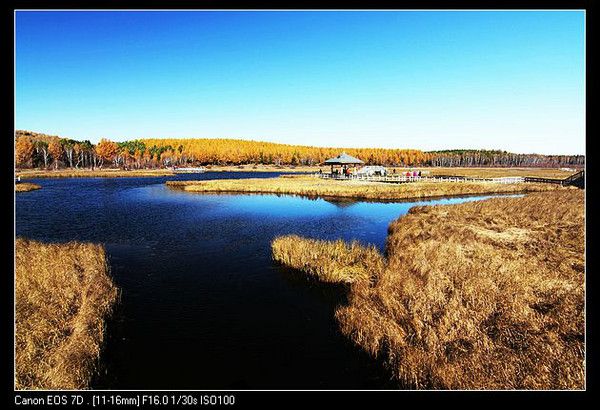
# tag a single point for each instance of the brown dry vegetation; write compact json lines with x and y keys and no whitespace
{"x":480,"y":295}
{"x":336,"y":262}
{"x":63,"y":293}
{"x":97,"y":173}
{"x":316,"y":187}
{"x":25,"y":187}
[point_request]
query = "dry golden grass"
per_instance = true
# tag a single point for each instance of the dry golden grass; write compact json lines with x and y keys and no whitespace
{"x":316,"y":187}
{"x":480,"y":295}
{"x":264,"y":168}
{"x":63,"y":293}
{"x":492,"y":172}
{"x":97,"y":173}
{"x":26,"y":186}
{"x":336,"y":261}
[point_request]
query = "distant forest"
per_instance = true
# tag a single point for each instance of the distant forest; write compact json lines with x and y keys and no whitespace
{"x":35,"y":150}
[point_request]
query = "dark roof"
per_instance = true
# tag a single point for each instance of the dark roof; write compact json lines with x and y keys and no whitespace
{"x":342,"y":159}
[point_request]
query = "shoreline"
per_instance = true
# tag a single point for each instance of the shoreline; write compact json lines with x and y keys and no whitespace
{"x":103,"y":173}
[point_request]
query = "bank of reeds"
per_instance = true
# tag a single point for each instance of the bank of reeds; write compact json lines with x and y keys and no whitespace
{"x":97,"y":173}
{"x":317,"y":187}
{"x":63,"y":294}
{"x":26,"y":186}
{"x":480,"y":295}
{"x":329,"y":261}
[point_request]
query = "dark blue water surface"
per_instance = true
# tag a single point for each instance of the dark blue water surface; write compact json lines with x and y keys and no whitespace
{"x":203,"y":305}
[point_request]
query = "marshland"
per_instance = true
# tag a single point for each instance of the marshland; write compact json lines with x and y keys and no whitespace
{"x":481,"y":295}
{"x":221,"y":281}
{"x":300,"y":200}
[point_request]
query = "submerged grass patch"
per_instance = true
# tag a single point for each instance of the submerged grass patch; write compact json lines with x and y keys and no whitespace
{"x":26,"y":186}
{"x":316,"y":187}
{"x":63,"y":294}
{"x":480,"y":295}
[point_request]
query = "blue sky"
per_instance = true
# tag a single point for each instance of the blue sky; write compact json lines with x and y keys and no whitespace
{"x":406,"y":79}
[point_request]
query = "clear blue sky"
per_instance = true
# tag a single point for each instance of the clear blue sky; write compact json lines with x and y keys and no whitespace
{"x":424,"y":80}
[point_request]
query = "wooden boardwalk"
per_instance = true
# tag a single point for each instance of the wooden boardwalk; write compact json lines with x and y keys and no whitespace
{"x":577,"y":179}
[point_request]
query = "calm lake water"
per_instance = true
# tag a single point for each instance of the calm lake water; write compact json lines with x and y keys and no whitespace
{"x":203,"y":305}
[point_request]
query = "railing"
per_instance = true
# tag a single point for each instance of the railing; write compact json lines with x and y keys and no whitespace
{"x":405,"y":179}
{"x":575,"y":179}
{"x":544,"y":180}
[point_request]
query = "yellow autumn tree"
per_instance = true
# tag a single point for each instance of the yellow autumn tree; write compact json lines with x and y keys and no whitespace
{"x":55,"y":149}
{"x":23,"y":150}
{"x":106,"y":150}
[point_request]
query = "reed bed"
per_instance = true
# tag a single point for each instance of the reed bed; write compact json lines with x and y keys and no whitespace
{"x":26,"y":187}
{"x":316,"y":187}
{"x":97,"y":173}
{"x":480,"y":295}
{"x":63,"y":294}
{"x":329,"y":261}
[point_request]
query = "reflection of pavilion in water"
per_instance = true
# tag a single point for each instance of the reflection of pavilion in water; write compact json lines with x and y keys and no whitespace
{"x":341,"y":202}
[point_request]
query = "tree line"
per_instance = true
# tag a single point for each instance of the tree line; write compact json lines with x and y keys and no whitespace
{"x":496,"y":158}
{"x":35,"y":150}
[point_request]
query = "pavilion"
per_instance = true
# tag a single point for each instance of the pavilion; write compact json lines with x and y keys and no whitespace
{"x":343,"y":160}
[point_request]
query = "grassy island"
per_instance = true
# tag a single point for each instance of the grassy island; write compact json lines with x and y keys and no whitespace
{"x":479,"y":295}
{"x":315,"y":187}
{"x":26,"y":186}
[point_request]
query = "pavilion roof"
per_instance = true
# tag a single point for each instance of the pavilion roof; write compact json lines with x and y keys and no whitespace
{"x":343,"y":159}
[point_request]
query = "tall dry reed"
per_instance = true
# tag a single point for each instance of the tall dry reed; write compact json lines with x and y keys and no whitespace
{"x":329,"y":261}
{"x":63,"y":294}
{"x":480,"y":295}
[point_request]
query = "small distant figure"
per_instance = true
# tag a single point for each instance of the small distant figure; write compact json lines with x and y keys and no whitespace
{"x":320,"y":171}
{"x":419,"y":173}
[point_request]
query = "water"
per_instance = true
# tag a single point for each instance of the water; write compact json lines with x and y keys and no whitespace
{"x":203,"y":305}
